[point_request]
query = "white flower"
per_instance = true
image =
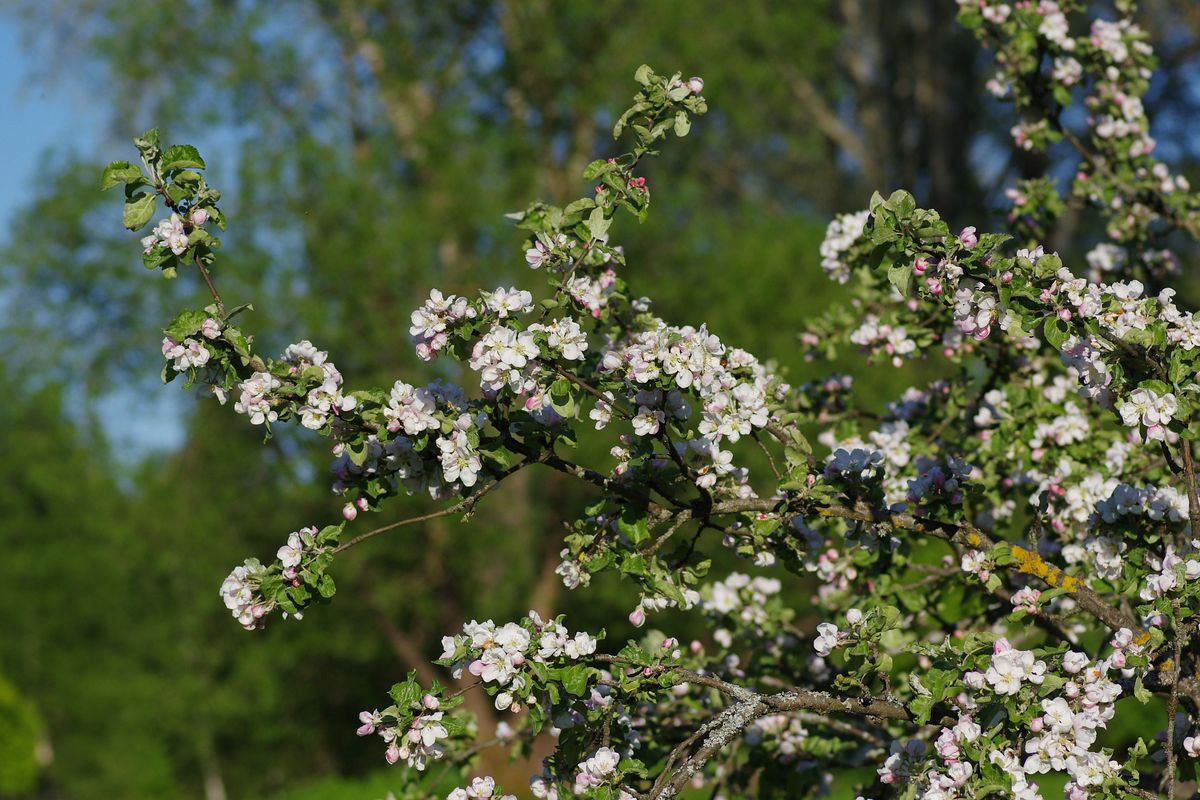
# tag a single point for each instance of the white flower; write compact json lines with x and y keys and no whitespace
{"x":648,"y":421}
{"x":508,"y":301}
{"x":840,"y":236}
{"x":567,"y":338}
{"x":1011,"y":667}
{"x":254,"y":400}
{"x":1146,"y":407}
{"x":596,"y":770}
{"x":291,"y":553}
{"x":411,"y":409}
{"x":459,"y":458}
{"x":827,"y":639}
{"x":168,"y":233}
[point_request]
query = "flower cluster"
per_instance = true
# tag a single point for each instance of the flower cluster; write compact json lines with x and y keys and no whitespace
{"x":730,"y":384}
{"x":241,"y":595}
{"x":434,"y":321}
{"x":252,"y":590}
{"x":840,"y":236}
{"x":416,"y":744}
{"x":749,"y":603}
{"x":185,"y":355}
{"x":326,"y":397}
{"x":504,"y":656}
{"x":480,"y":789}
{"x":168,"y":233}
{"x":598,"y":769}
{"x":1145,"y":407}
{"x":255,"y":398}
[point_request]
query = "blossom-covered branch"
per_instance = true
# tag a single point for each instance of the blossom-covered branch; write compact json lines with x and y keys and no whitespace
{"x":1050,"y":477}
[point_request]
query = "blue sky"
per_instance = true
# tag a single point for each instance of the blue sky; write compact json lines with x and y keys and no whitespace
{"x":36,"y":114}
{"x":39,"y":115}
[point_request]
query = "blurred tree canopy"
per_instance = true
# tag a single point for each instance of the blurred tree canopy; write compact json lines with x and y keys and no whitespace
{"x":391,"y":137}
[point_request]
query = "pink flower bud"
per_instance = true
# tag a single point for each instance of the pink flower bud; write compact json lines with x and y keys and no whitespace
{"x":349,"y":511}
{"x":638,"y":617}
{"x":211,"y":328}
{"x":362,"y":503}
{"x":696,"y":84}
{"x":430,"y":702}
{"x":1037,"y":724}
{"x":393,"y":753}
{"x":199,"y":216}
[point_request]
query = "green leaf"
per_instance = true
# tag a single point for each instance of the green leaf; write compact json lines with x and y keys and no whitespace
{"x":575,"y":679}
{"x":597,"y":223}
{"x":679,"y":92}
{"x":921,"y":707}
{"x":579,"y":206}
{"x":156,"y":257}
{"x":682,"y":123}
{"x":1057,"y":332}
{"x":900,"y":276}
{"x":595,"y":170}
{"x":1156,"y":386}
{"x":634,"y":565}
{"x":182,"y":156}
{"x":1047,"y":266}
{"x":408,"y":693}
{"x":138,"y":210}
{"x":147,"y":145}
{"x":644,"y":75}
{"x":902,"y":203}
{"x":634,"y":525}
{"x":455,"y":726}
{"x":119,"y":172}
{"x":186,"y":324}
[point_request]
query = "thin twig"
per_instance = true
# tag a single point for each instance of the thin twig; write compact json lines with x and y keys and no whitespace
{"x":466,"y":504}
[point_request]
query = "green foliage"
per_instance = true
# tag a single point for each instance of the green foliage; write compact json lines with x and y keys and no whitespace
{"x":20,"y":727}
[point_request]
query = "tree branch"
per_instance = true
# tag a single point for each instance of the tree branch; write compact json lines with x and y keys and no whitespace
{"x":467,"y":504}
